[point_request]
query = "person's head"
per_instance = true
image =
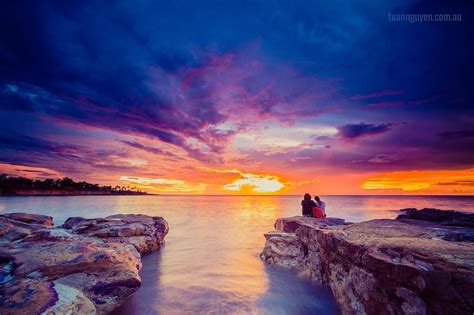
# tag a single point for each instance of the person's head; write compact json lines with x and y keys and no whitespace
{"x":317,"y":198}
{"x":307,"y":196}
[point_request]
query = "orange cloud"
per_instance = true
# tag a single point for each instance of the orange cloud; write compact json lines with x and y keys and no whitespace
{"x":164,"y":185}
{"x":29,"y":171}
{"x":430,"y":182}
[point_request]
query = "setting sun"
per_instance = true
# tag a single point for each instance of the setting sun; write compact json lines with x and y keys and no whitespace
{"x":256,"y":183}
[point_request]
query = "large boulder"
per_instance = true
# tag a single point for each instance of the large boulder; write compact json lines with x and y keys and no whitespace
{"x":14,"y":226}
{"x":145,"y":233}
{"x":380,"y":266}
{"x":37,"y":219}
{"x":62,"y":271}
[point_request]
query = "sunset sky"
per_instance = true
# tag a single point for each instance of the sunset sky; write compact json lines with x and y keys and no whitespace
{"x":241,"y":97}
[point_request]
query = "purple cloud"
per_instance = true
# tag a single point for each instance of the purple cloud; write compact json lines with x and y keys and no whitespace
{"x":96,"y":72}
{"x":157,"y":151}
{"x":20,"y":149}
{"x":384,"y":158}
{"x":465,"y":134}
{"x":385,"y":104}
{"x":377,"y":94}
{"x":185,"y":107}
{"x":354,"y":131}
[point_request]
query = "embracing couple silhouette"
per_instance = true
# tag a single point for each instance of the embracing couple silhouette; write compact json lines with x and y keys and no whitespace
{"x":310,"y":208}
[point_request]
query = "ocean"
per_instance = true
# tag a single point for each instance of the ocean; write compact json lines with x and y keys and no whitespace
{"x":210,"y":263}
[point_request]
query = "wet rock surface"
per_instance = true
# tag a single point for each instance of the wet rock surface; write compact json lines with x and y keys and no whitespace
{"x":145,"y":233}
{"x":443,"y":217}
{"x":380,"y":266}
{"x":89,"y":266}
{"x":37,"y":219}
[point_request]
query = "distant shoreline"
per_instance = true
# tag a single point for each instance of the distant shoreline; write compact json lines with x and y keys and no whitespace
{"x":71,"y":192}
{"x":25,"y":187}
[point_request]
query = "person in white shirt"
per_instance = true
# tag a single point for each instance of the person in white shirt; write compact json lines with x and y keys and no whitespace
{"x":320,"y":204}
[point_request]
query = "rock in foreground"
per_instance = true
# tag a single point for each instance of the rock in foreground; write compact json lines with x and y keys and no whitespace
{"x":145,"y":233}
{"x":380,"y":266}
{"x":90,"y":266}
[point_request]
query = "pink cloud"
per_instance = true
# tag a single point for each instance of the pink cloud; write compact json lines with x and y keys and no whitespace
{"x":241,"y":87}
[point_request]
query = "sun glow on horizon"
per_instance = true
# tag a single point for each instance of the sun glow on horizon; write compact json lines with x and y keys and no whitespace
{"x":202,"y":180}
{"x":250,"y":182}
{"x":258,"y":183}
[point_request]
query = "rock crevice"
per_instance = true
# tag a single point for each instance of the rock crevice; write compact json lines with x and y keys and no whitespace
{"x":380,"y":266}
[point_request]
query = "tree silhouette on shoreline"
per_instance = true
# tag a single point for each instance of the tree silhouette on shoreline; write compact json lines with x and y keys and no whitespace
{"x":9,"y":185}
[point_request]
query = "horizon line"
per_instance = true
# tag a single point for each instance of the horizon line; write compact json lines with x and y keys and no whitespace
{"x":292,"y":195}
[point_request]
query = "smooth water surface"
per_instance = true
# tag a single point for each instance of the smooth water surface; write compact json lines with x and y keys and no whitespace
{"x":210,"y":261}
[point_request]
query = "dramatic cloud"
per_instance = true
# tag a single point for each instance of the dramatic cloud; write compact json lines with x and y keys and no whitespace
{"x":354,"y":131}
{"x":222,"y":88}
{"x":96,"y":90}
{"x":62,"y":157}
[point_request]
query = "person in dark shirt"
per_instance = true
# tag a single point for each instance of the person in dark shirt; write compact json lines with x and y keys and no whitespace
{"x":307,"y":205}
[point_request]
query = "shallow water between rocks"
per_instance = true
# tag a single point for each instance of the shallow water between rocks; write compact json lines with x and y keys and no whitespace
{"x":210,"y":262}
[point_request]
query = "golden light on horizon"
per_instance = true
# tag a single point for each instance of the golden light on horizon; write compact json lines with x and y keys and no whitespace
{"x":408,"y":184}
{"x":164,"y":185}
{"x":438,"y":181}
{"x":247,"y":183}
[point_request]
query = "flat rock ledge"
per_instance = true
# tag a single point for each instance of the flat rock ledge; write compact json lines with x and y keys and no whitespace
{"x":402,"y":266}
{"x":86,"y":266}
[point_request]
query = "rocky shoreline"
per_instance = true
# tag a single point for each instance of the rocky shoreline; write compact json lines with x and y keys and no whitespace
{"x":420,"y":263}
{"x":85,"y":266}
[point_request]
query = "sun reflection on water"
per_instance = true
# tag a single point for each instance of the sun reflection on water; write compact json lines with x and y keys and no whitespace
{"x":210,"y":262}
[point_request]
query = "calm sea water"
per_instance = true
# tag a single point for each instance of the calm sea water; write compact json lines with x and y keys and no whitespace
{"x":210,"y":262}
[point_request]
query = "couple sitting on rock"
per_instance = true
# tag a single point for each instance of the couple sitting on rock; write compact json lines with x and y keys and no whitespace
{"x":310,"y":208}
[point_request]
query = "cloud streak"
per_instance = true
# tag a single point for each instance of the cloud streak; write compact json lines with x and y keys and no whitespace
{"x":355,"y":131}
{"x":164,"y":185}
{"x":459,"y":181}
